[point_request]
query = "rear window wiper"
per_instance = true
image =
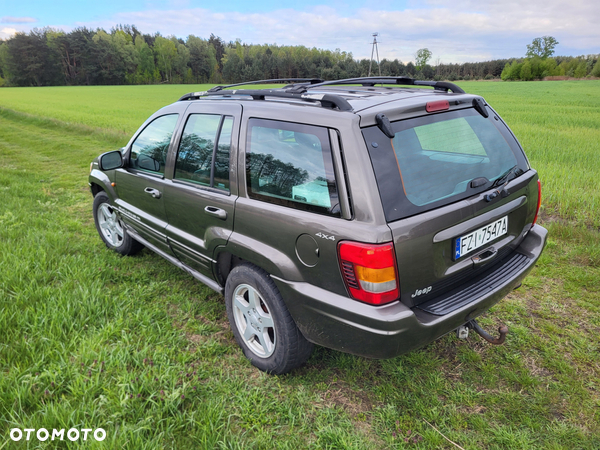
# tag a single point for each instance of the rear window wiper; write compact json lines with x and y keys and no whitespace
{"x":502,"y":178}
{"x":498,"y":181}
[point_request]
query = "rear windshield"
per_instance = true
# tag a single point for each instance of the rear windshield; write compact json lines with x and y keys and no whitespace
{"x":432,"y":160}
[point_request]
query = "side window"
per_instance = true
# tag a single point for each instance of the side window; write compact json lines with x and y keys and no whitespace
{"x":222,"y":155}
{"x":290,"y":164}
{"x":149,"y":150}
{"x":194,"y":159}
{"x":197,"y":151}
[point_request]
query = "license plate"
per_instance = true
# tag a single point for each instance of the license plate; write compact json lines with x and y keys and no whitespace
{"x":478,"y":238}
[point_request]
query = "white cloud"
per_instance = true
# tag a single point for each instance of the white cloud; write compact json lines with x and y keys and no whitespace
{"x":10,"y":19}
{"x":6,"y":33}
{"x":455,"y":31}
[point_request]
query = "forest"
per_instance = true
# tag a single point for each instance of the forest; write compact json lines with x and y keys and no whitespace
{"x":49,"y":57}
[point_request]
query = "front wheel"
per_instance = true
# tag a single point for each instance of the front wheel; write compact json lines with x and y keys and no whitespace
{"x":261,"y":323}
{"x":111,"y":228}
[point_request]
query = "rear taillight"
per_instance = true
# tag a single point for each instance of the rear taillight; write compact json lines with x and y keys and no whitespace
{"x":369,"y":271}
{"x":539,"y":203}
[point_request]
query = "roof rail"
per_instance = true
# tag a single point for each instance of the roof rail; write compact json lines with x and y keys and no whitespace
{"x":275,"y":80}
{"x":300,"y":90}
{"x":326,"y":100}
{"x":403,"y":81}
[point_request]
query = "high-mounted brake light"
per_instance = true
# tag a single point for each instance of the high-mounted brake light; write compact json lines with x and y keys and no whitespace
{"x":439,"y":105}
{"x":369,"y":271}
{"x":539,"y":202}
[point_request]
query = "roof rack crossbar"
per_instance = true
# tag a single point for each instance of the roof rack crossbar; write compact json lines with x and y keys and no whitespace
{"x":275,"y":80}
{"x":403,"y":81}
{"x":326,"y":100}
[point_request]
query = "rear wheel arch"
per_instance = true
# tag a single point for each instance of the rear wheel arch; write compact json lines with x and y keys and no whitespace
{"x":278,"y":265}
{"x":243,"y":248}
{"x":227,"y":261}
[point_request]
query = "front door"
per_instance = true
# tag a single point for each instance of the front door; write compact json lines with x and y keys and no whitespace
{"x":140,"y":185}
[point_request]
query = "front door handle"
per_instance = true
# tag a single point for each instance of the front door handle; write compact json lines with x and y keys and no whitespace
{"x":217,"y":212}
{"x":153,"y":192}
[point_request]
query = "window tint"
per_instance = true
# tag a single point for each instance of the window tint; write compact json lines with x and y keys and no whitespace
{"x":290,"y":164}
{"x":149,"y":150}
{"x":194,"y":159}
{"x":439,"y":159}
{"x":444,"y":137}
{"x":197,"y":150}
{"x":432,"y":159}
{"x":221,"y":179}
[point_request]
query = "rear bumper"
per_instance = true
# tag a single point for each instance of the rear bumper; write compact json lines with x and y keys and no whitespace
{"x":338,"y":322}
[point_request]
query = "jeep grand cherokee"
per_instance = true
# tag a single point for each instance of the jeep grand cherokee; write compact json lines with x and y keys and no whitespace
{"x":368,"y":215}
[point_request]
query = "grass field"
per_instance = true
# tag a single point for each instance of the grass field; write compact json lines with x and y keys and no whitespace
{"x":89,"y":339}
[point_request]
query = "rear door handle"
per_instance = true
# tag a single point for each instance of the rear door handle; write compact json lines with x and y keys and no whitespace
{"x":153,"y":192}
{"x":217,"y":212}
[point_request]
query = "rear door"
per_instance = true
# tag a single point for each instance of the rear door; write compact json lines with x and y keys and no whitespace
{"x":435,"y":178}
{"x":200,"y":199}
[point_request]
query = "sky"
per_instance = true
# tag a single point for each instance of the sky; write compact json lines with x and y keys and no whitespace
{"x":455,"y":31}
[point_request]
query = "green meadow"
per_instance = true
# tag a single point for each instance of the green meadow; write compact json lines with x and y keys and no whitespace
{"x":89,"y":339}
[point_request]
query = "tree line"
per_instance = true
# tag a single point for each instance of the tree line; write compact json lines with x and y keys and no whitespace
{"x":539,"y":64}
{"x":537,"y":68}
{"x":48,"y":57}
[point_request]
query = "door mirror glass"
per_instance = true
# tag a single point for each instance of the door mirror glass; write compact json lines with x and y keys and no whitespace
{"x":111,"y":160}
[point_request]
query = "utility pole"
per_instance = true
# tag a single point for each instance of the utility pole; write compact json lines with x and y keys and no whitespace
{"x":374,"y":49}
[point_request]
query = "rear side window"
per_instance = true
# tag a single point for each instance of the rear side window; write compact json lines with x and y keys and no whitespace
{"x":432,"y":160}
{"x":203,"y":156}
{"x":149,"y":150}
{"x":290,"y":164}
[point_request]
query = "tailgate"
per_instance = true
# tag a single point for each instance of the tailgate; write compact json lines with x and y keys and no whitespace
{"x":426,"y":244}
{"x":436,"y":174}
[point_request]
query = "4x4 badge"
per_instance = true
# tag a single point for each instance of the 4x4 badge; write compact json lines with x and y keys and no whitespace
{"x":325,"y":236}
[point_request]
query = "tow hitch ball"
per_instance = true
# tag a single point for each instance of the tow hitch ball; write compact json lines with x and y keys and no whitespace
{"x":463,"y":332}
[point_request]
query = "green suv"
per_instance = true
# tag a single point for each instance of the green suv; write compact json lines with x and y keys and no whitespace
{"x":369,"y":215}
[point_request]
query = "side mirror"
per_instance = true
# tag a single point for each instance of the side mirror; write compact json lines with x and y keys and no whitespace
{"x":111,"y":160}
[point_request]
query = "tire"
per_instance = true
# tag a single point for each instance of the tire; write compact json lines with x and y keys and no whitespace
{"x":111,"y":228}
{"x":261,"y":323}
